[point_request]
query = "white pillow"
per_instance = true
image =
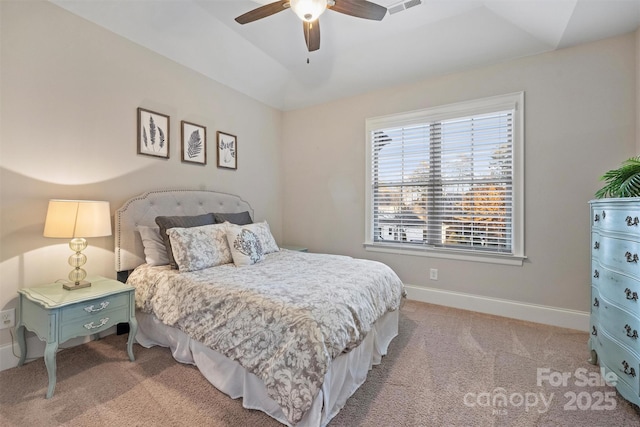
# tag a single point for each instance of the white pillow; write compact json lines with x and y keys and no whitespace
{"x":262,"y":230}
{"x":195,"y":248}
{"x":245,"y":245}
{"x":155,"y":251}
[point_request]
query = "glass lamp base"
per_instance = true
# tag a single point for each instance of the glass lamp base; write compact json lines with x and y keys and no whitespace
{"x":72,"y":286}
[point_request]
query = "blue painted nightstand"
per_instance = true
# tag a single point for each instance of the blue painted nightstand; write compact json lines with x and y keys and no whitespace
{"x":57,"y":315}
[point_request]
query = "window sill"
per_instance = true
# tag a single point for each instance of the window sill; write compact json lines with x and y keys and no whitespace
{"x":488,"y":258}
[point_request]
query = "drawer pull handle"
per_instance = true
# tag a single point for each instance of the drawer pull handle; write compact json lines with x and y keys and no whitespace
{"x":594,"y":331}
{"x":596,"y":303}
{"x":631,"y":258}
{"x":628,"y":370}
{"x":91,"y":309}
{"x":596,"y":218}
{"x":632,"y":221}
{"x":92,"y":326}
{"x":631,"y":295}
{"x":630,"y":334}
{"x":596,"y":274}
{"x":596,"y":245}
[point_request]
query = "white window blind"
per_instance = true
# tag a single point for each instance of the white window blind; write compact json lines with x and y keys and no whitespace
{"x":446,"y":181}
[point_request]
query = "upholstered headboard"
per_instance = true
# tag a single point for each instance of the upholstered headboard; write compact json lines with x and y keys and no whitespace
{"x":143,"y":210}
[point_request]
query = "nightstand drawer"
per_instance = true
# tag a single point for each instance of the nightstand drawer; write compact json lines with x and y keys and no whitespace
{"x":91,"y":325}
{"x":89,"y":310}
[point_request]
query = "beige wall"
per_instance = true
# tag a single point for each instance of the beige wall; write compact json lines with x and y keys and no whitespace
{"x":69,"y":94}
{"x":579,"y":122}
{"x":637,"y":93}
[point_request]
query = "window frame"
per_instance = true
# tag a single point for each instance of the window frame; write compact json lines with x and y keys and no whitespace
{"x":513,"y":101}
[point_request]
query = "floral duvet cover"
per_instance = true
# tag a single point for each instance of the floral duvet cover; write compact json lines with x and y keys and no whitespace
{"x":284,"y":319}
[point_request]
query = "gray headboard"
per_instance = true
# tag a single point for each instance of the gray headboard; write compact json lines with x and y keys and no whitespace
{"x":143,"y":210}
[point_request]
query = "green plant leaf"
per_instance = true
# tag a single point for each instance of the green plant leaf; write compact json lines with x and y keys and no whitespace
{"x":622,"y":182}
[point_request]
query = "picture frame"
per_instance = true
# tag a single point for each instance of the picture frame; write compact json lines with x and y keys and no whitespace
{"x":227,"y":148}
{"x":153,"y":133}
{"x":194,"y":142}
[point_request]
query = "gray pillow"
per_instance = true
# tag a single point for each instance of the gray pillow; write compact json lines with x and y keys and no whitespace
{"x":242,"y":218}
{"x":155,"y":252}
{"x":167,"y":222}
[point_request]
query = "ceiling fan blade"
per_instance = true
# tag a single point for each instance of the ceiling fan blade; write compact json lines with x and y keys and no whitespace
{"x":263,"y":11}
{"x":360,"y":9}
{"x":312,"y":34}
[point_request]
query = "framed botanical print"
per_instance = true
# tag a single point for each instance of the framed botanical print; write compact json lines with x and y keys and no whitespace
{"x":194,"y":143}
{"x":153,"y":133}
{"x":227,"y":150}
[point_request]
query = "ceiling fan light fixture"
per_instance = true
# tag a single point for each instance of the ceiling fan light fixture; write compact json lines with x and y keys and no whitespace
{"x":308,"y":10}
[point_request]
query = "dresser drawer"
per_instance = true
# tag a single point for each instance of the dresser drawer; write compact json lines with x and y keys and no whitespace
{"x":620,"y":219}
{"x":622,"y":290}
{"x":88,"y":310}
{"x":595,"y":302}
{"x":595,"y":244}
{"x":619,"y":324}
{"x":617,"y":359}
{"x":620,"y":255}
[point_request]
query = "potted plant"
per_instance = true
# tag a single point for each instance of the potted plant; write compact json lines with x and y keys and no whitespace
{"x":622,"y":182}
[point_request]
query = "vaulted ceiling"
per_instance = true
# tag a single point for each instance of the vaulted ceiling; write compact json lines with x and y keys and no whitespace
{"x":267,"y":59}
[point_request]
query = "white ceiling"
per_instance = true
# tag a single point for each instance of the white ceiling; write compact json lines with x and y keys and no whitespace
{"x":267,"y":59}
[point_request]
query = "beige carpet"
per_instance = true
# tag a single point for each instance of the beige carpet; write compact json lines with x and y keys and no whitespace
{"x":439,"y":372}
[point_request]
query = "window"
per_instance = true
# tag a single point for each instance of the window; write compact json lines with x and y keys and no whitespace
{"x":448,"y":181}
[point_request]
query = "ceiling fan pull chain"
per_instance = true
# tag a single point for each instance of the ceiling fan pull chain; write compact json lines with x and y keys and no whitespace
{"x":308,"y":42}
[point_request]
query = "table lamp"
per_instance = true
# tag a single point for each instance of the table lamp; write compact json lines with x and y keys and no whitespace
{"x":76,"y":220}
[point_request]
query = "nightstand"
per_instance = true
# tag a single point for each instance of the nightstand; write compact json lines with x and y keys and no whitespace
{"x":56,"y":315}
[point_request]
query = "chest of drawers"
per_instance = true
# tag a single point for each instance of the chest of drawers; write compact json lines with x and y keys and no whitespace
{"x":615,"y":289}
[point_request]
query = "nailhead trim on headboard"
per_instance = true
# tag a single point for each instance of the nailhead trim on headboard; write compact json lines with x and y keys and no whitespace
{"x":143,"y":210}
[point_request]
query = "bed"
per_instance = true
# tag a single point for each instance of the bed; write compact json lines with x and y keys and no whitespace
{"x":293,"y":334}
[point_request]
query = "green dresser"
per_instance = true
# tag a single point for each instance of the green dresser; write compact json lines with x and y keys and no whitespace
{"x":56,"y":315}
{"x":615,"y":287}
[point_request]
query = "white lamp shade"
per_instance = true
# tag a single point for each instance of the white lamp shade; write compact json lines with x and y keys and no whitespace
{"x":77,"y":218}
{"x":308,"y":10}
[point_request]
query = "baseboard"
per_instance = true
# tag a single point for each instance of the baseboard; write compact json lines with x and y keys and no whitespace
{"x":35,"y":348}
{"x":547,"y":315}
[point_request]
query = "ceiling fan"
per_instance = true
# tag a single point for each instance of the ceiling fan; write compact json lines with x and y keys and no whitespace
{"x":310,"y":10}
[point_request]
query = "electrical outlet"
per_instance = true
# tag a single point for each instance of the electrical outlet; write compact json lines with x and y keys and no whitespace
{"x":433,"y":274}
{"x":7,"y":318}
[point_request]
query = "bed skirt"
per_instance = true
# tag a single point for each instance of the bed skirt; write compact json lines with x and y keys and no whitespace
{"x":346,"y":374}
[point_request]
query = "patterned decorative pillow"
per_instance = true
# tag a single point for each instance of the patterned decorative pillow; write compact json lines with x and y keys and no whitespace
{"x":155,"y":252}
{"x":264,"y":234}
{"x":196,"y":248}
{"x":245,"y":245}
{"x":167,"y":222}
